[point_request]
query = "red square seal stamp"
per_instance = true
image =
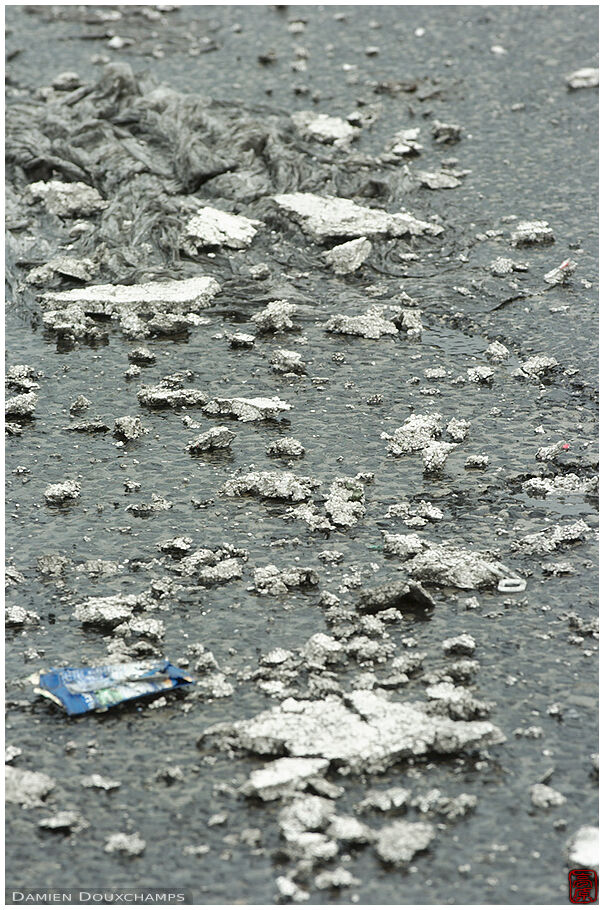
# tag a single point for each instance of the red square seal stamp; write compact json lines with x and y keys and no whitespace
{"x":582,"y":886}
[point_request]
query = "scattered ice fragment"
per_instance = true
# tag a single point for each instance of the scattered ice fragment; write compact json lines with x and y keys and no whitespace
{"x":480,"y":374}
{"x":271,"y":485}
{"x":64,"y":821}
{"x":365,"y":732}
{"x":461,"y":644}
{"x":130,"y":844}
{"x":396,"y":594}
{"x":399,"y":842}
{"x":212,"y":227}
{"x":241,"y":340}
{"x":532,"y":232}
{"x":64,"y":266}
{"x":21,"y":405}
{"x":335,"y":878}
{"x":284,"y":361}
{"x":442,"y":564}
{"x":445,"y":132}
{"x":58,"y":493}
{"x":180,"y":296}
{"x":276,"y":317}
{"x":216,"y":438}
{"x":476,"y":461}
{"x":549,"y":540}
{"x":226,"y":570}
{"x":246,"y":409}
{"x":165,"y":396}
{"x":560,"y":485}
{"x":583,"y":848}
{"x":11,"y":753}
{"x":543,"y":796}
{"x":325,"y":217}
{"x":502,"y":266}
{"x":416,"y":433}
{"x":16,"y":616}
{"x":458,"y":428}
{"x":377,"y":321}
{"x":497,"y":352}
{"x":286,"y":446}
{"x":405,"y":143}
{"x":26,"y":788}
{"x":538,"y":365}
{"x":348,"y":257}
{"x":98,"y":782}
{"x":437,"y":180}
{"x":271,"y":580}
{"x":129,"y":428}
{"x":67,"y":199}
{"x":385,"y":800}
{"x":561,"y":273}
{"x":345,"y":503}
{"x":108,"y":611}
{"x":588,"y":77}
{"x":435,"y":455}
{"x":324,"y":128}
{"x":283,"y":777}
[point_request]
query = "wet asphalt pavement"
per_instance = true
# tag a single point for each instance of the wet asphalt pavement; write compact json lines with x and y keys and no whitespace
{"x":530,"y":147}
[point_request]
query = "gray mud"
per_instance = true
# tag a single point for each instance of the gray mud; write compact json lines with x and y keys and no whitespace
{"x":529,"y":145}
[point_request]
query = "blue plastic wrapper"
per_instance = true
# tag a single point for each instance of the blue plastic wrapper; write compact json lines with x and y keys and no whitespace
{"x":83,"y":689}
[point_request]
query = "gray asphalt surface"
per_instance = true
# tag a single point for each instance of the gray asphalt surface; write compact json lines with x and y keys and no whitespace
{"x":530,"y":147}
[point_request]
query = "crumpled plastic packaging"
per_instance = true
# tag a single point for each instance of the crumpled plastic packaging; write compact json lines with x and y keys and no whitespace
{"x":83,"y":689}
